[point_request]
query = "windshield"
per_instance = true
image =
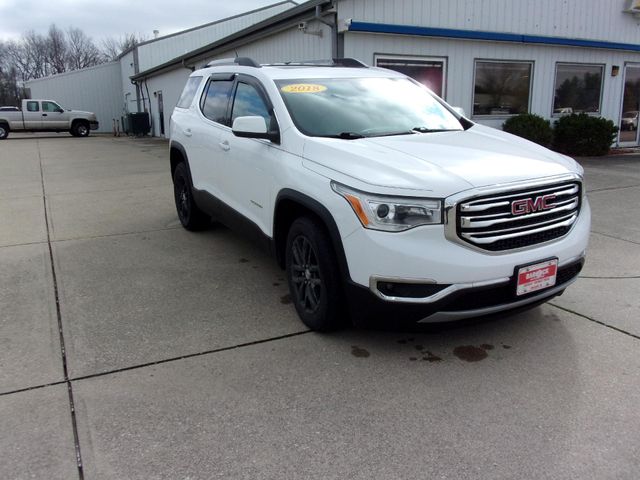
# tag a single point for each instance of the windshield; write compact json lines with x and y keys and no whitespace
{"x":363,"y":107}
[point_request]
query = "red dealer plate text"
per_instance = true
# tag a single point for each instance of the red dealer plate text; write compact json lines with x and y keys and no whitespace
{"x":536,"y":277}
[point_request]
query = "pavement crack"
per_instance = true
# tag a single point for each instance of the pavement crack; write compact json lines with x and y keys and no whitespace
{"x":619,"y":330}
{"x":190,"y":355}
{"x":616,"y":238}
{"x":63,"y":351}
{"x":607,"y":189}
{"x":631,"y":277}
{"x":107,"y":235}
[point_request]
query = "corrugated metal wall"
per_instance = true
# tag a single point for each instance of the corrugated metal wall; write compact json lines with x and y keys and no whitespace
{"x":587,"y":19}
{"x":128,"y":92}
{"x":171,"y":85}
{"x":461,"y":55}
{"x":96,"y":89}
{"x":157,"y":52}
{"x":288,"y":45}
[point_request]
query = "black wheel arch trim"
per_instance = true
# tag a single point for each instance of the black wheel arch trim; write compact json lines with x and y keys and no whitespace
{"x":183,"y":152}
{"x":324,"y":215}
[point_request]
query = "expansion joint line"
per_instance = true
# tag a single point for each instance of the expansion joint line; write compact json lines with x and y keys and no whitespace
{"x":63,"y":351}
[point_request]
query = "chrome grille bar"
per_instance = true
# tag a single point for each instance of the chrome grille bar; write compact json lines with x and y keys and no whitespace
{"x":518,"y":219}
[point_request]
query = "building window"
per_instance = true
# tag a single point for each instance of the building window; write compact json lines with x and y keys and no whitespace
{"x":431,"y":72}
{"x":578,"y":88}
{"x":502,"y":88}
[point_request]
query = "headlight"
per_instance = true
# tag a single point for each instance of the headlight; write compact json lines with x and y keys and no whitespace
{"x":391,"y":214}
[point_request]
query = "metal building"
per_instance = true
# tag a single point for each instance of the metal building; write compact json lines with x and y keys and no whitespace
{"x":494,"y":58}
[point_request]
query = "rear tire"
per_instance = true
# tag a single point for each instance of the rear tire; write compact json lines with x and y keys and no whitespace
{"x":313,"y":275}
{"x":191,"y":217}
{"x":4,"y":131}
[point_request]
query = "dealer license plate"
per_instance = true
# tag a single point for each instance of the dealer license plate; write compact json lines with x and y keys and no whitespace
{"x":536,"y":277}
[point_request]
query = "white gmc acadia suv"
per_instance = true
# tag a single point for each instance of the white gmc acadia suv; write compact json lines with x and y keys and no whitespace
{"x":375,"y":196}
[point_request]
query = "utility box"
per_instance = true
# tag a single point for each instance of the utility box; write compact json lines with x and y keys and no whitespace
{"x":138,"y":123}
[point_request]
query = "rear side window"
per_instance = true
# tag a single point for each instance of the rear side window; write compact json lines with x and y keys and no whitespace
{"x":215,"y":101}
{"x":189,"y":92}
{"x":32,"y":107}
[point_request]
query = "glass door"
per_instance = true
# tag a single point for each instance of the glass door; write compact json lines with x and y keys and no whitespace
{"x":628,"y":134}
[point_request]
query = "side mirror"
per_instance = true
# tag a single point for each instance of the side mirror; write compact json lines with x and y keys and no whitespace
{"x":59,"y":110}
{"x":460,"y":111}
{"x":253,"y":127}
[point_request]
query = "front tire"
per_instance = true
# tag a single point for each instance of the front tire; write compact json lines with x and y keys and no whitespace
{"x":80,"y":129}
{"x":191,"y":217}
{"x":313,"y":275}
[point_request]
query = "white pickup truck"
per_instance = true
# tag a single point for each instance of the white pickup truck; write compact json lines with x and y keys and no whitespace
{"x":46,"y":116}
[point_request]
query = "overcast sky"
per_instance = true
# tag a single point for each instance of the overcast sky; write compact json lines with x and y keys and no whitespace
{"x":105,"y":18}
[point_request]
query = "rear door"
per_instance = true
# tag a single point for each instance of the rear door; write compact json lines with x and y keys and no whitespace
{"x":211,"y":119}
{"x":32,"y":115}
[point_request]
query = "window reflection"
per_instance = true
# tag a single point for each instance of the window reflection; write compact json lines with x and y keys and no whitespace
{"x":365,"y":106}
{"x":502,"y":88}
{"x":577,"y":89}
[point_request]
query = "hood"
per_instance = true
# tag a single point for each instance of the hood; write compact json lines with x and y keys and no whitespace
{"x":83,"y":113}
{"x":441,"y":162}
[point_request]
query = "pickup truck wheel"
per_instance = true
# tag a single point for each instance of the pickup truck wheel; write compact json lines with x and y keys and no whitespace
{"x":4,"y":131}
{"x":312,"y":272}
{"x":80,"y":129}
{"x":191,"y":217}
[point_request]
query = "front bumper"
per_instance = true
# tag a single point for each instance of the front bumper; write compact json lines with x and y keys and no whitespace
{"x":444,"y":280}
{"x":94,"y":125}
{"x":460,"y":301}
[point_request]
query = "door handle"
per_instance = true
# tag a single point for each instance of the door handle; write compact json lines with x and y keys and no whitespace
{"x":224,"y":146}
{"x":44,"y":114}
{"x":187,"y":132}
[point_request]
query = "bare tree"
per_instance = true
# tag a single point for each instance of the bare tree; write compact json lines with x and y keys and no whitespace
{"x":82,"y":52}
{"x":56,"y":50}
{"x":113,"y":47}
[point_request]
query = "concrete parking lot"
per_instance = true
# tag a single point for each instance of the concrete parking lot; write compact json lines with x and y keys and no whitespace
{"x":133,"y":349}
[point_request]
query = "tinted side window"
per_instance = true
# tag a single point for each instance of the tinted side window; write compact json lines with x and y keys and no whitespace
{"x":32,"y":107}
{"x":248,"y":102}
{"x":189,"y":92}
{"x":49,"y":107}
{"x":216,"y":99}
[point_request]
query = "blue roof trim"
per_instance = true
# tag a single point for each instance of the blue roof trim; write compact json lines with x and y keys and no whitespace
{"x":491,"y":36}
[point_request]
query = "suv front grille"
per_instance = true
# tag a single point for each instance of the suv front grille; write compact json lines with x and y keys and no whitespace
{"x":510,"y":220}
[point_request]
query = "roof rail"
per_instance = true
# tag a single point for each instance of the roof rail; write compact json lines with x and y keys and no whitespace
{"x":242,"y":61}
{"x":332,"y":62}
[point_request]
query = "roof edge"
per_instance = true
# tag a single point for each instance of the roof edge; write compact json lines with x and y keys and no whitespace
{"x":279,"y":18}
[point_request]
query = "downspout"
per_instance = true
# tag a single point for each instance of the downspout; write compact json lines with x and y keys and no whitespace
{"x":150,"y":111}
{"x":333,"y":24}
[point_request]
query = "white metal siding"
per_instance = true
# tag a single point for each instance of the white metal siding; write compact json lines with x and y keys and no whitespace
{"x":162,"y":50}
{"x":585,"y":19}
{"x":462,"y":53}
{"x":288,"y":45}
{"x":96,"y":89}
{"x":128,"y":91}
{"x":171,"y":85}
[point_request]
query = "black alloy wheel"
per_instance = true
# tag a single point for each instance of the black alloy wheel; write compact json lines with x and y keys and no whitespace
{"x":305,"y":274}
{"x":314,"y":278}
{"x":191,"y":217}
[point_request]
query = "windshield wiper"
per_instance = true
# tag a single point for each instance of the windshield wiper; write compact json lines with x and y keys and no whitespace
{"x":347,"y":135}
{"x":433,"y":130}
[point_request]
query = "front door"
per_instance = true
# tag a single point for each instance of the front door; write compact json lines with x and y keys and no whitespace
{"x":54,"y":117}
{"x":629,"y":116}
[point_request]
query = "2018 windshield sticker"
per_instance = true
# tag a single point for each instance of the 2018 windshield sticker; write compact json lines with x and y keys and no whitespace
{"x":303,"y":88}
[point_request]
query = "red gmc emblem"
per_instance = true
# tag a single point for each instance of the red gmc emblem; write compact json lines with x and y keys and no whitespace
{"x":529,"y":205}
